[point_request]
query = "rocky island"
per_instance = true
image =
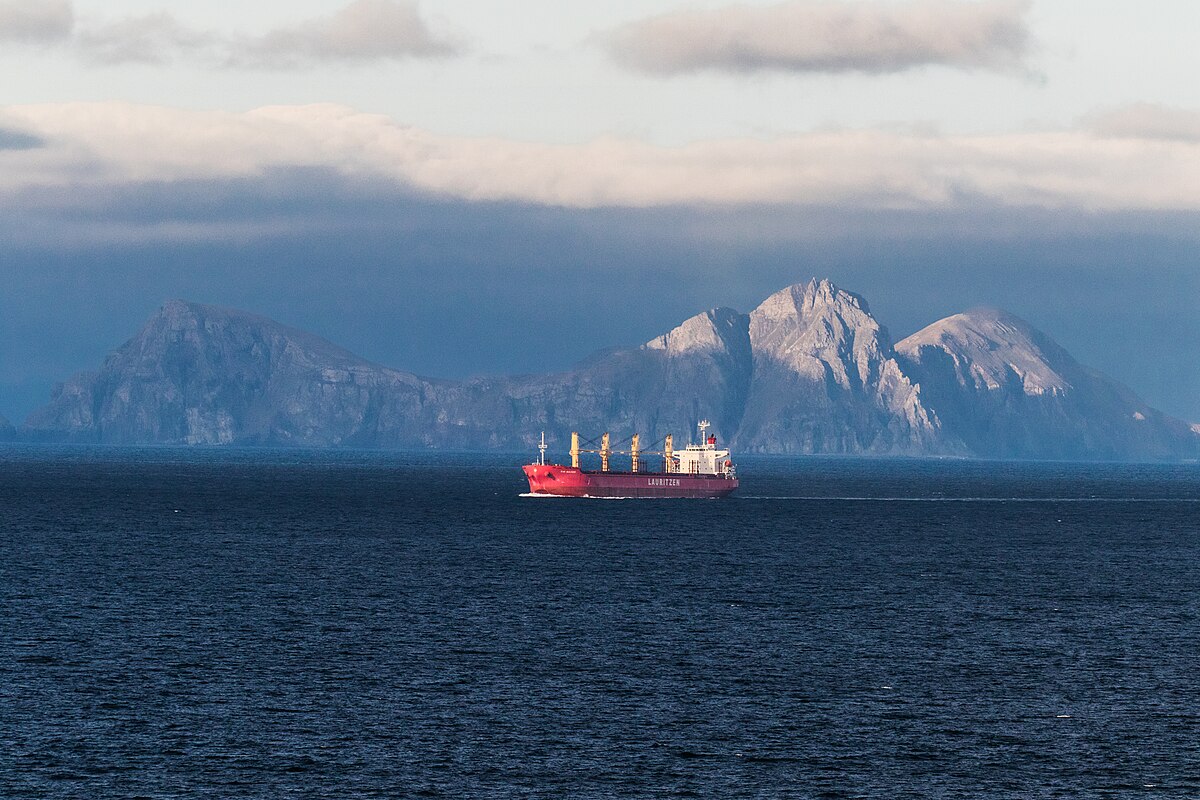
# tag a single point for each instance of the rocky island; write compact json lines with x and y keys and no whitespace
{"x":810,"y":370}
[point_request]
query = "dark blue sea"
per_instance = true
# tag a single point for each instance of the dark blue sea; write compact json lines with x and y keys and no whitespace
{"x":272,"y":624}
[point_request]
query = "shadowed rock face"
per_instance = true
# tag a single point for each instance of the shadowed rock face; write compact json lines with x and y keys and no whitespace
{"x":1008,"y":391}
{"x":707,"y":371}
{"x":809,"y":371}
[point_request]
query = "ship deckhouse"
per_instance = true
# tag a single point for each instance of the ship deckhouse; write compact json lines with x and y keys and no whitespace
{"x":703,"y":458}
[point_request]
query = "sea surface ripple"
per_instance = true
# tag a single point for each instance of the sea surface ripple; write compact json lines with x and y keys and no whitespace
{"x":264,"y":624}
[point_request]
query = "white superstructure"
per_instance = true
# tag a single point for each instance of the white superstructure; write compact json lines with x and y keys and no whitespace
{"x":703,"y":458}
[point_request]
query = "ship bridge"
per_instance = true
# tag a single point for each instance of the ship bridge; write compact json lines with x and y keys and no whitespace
{"x":703,"y":458}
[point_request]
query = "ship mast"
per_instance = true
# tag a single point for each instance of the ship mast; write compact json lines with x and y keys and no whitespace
{"x":542,"y":450}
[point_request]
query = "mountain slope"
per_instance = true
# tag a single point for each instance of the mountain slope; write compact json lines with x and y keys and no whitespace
{"x":708,"y":372}
{"x":699,"y":369}
{"x":198,"y":374}
{"x":826,"y":380}
{"x":7,"y":432}
{"x":1008,"y":391}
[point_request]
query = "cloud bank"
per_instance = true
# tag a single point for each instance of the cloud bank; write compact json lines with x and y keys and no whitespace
{"x":36,"y":22}
{"x":825,"y":36}
{"x":1148,"y":121}
{"x":98,"y":145}
{"x":363,"y":31}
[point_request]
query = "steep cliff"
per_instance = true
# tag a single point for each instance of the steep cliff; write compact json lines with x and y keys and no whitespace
{"x":826,"y":380}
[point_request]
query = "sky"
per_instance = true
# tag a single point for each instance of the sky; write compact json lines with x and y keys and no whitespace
{"x":474,"y":186}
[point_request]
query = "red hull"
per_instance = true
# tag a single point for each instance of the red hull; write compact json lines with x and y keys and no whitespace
{"x":554,"y":479}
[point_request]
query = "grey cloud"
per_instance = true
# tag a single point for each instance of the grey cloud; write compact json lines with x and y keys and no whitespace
{"x":19,"y":140}
{"x":39,"y":21}
{"x":151,"y":39}
{"x":827,"y":37}
{"x":1147,"y":121}
{"x":365,"y":30}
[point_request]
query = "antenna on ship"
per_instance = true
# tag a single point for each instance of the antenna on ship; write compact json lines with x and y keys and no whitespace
{"x":704,"y":426}
{"x":542,"y":450}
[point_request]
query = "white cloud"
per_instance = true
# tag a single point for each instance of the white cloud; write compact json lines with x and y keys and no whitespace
{"x":36,"y":20}
{"x":826,"y":36}
{"x":1148,"y":121}
{"x":365,"y":30}
{"x":113,"y":145}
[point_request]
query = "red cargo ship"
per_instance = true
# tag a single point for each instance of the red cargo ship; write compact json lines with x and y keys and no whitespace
{"x":699,"y":470}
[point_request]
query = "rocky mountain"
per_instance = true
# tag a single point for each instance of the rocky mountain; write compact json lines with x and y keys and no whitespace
{"x":7,"y":432}
{"x":826,"y":380}
{"x":699,"y":369}
{"x":203,"y":375}
{"x":808,"y":371}
{"x":1007,"y":390}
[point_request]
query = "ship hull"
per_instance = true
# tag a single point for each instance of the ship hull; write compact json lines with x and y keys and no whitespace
{"x":559,"y":481}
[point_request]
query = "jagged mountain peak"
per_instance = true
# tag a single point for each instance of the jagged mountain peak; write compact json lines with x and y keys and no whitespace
{"x":185,"y":312}
{"x":715,"y":330}
{"x":813,"y":317}
{"x":814,"y":298}
{"x":826,"y":376}
{"x":989,"y":347}
{"x":816,"y":329}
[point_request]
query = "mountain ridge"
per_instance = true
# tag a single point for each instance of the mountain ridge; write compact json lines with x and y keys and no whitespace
{"x":1004,"y":386}
{"x":810,"y":370}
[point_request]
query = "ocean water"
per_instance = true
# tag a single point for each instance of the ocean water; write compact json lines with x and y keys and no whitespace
{"x":267,"y":624}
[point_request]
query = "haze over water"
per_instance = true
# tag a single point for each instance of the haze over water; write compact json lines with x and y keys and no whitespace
{"x":217,"y":623}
